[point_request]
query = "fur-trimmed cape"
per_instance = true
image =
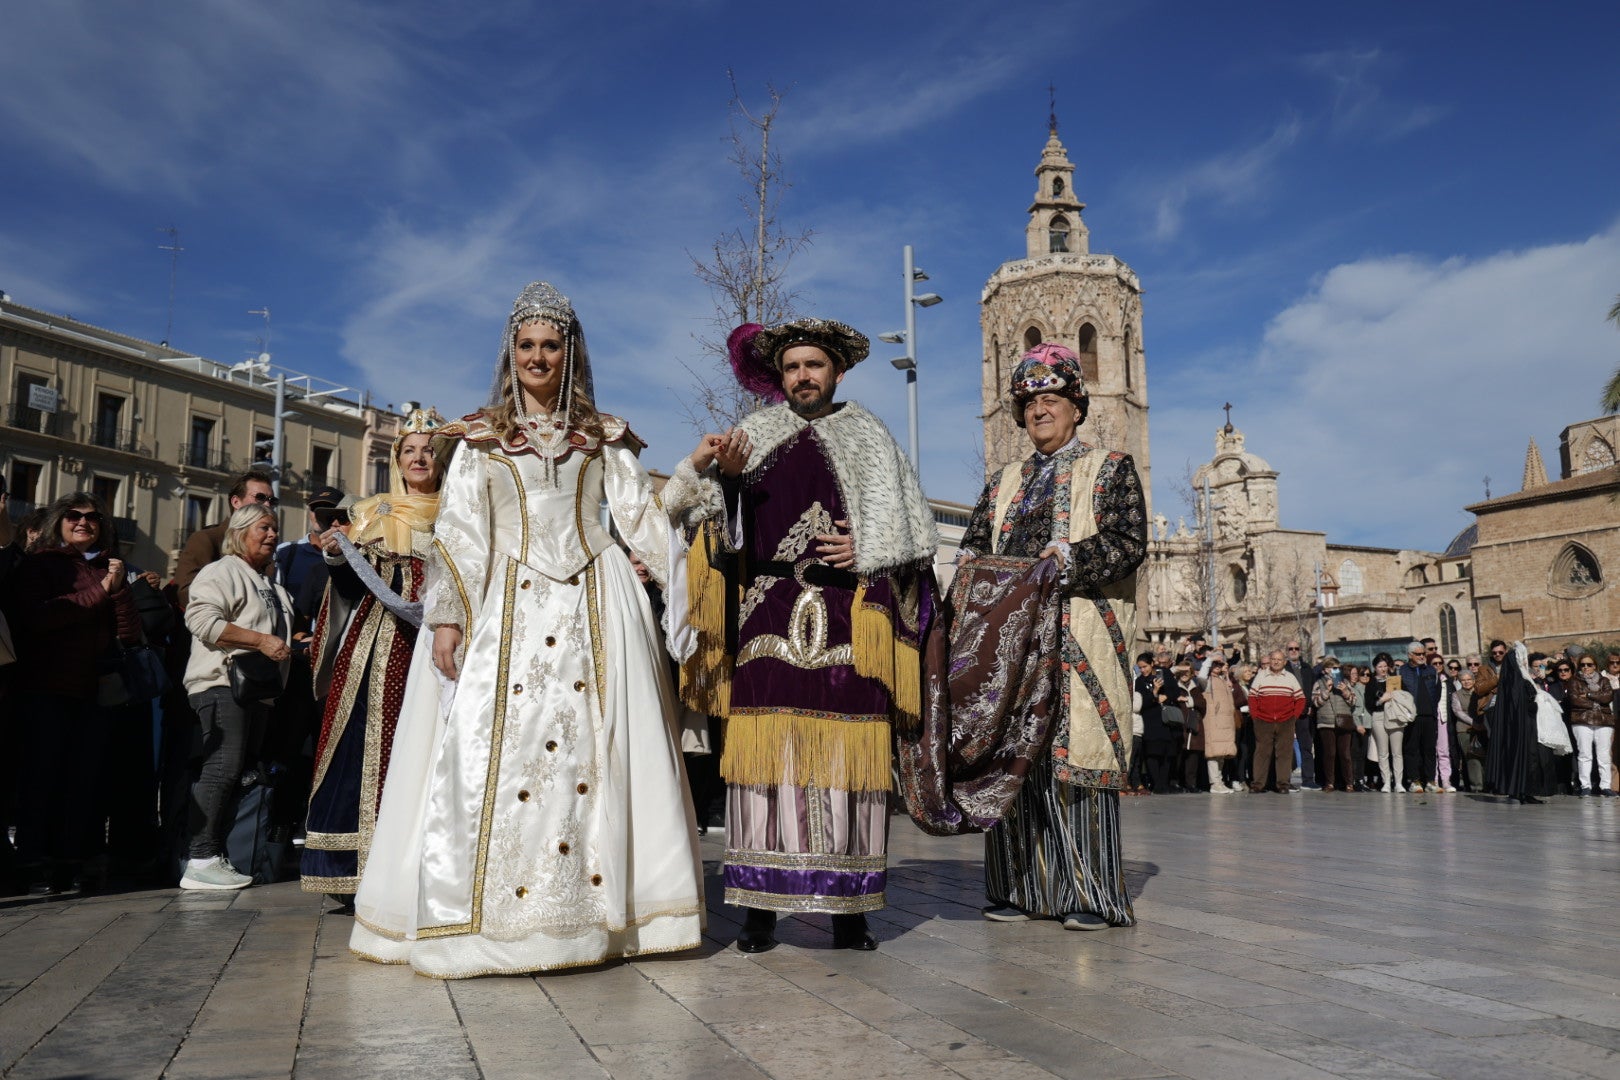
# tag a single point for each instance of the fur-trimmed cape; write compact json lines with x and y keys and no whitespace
{"x":889,"y":514}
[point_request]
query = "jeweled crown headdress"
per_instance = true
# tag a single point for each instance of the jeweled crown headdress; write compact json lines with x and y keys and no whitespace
{"x":541,"y":302}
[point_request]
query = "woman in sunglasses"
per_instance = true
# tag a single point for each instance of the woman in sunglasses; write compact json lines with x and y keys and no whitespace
{"x":67,"y":604}
{"x":1592,"y":725}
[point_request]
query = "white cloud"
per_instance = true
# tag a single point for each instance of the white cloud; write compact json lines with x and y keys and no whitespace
{"x":1228,"y":179}
{"x":1388,"y":393}
{"x":1356,"y":79}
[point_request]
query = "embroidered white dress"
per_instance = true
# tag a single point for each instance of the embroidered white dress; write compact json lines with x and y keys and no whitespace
{"x":554,"y":828}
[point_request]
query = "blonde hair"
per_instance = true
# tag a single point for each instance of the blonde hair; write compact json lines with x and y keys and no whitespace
{"x":242,"y":519}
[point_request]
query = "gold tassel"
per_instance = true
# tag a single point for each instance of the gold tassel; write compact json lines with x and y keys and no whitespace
{"x":706,"y":676}
{"x":880,"y":655}
{"x":786,"y":748}
{"x":706,"y":587}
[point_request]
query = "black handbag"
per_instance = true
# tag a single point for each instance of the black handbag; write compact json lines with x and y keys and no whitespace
{"x":254,"y":678}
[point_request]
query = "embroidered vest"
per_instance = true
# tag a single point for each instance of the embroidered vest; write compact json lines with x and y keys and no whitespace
{"x":1089,"y":749}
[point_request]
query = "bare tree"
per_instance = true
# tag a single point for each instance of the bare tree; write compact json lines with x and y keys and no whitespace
{"x":1278,"y":609}
{"x":746,"y":267}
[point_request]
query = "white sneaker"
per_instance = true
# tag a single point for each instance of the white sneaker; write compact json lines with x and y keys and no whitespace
{"x":1386,"y":789}
{"x":215,"y":876}
{"x":1449,"y":790}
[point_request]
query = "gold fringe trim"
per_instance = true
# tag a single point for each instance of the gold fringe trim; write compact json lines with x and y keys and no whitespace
{"x":880,"y":655}
{"x":779,"y":748}
{"x":706,"y":676}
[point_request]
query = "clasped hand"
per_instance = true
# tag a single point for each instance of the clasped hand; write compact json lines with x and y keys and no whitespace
{"x":730,"y":450}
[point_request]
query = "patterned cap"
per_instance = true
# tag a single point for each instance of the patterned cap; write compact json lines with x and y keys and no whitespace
{"x":1048,"y":368}
{"x":843,"y":343}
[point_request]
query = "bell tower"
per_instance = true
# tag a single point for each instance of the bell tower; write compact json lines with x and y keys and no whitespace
{"x":1059,"y":291}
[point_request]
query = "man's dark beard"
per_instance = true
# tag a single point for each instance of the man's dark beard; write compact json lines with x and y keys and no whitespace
{"x":813,"y":407}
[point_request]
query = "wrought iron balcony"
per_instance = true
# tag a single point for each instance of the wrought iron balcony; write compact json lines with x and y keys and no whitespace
{"x":201,"y":457}
{"x":115,"y":438}
{"x":21,"y":416}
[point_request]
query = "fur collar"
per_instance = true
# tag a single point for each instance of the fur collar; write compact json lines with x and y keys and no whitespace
{"x":892,"y":521}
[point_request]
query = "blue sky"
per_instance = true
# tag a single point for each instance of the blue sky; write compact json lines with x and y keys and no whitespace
{"x":1386,"y":233}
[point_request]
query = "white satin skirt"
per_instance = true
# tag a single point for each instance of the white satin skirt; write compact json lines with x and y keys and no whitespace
{"x":546,"y":822}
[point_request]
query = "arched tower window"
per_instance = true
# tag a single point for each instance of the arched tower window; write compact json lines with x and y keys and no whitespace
{"x":1240,"y":584}
{"x":1087,"y":340}
{"x":1032,"y":337}
{"x":1130,"y":359}
{"x":1350,"y":579}
{"x":1448,"y":630}
{"x":1057,"y":233}
{"x":1057,"y":185}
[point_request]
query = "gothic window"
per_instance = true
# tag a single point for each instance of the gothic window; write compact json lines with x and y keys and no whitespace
{"x":1598,"y":455}
{"x":1448,"y":630}
{"x":1240,"y":585}
{"x":1575,"y":573}
{"x":1417,"y":576}
{"x":1057,"y":233}
{"x":1350,"y":579}
{"x":1057,"y":185}
{"x":1130,"y":344}
{"x":1088,"y":352}
{"x":1032,"y":337}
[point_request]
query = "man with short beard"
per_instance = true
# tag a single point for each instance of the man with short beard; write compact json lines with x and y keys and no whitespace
{"x":810,"y":647}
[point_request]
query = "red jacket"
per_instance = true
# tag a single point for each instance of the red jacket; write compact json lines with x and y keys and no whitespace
{"x":63,"y":622}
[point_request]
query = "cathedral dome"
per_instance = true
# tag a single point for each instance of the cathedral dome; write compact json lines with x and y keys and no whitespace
{"x":1463,"y":542}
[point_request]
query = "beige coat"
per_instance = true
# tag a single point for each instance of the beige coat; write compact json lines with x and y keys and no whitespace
{"x":1220,"y":720}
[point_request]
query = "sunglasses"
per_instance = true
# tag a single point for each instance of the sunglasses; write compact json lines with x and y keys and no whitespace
{"x":1453,"y":667}
{"x":1592,"y":666}
{"x":76,"y":516}
{"x":1293,"y":648}
{"x":267,"y":500}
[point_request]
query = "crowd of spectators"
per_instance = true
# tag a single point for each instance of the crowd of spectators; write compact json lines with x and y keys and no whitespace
{"x":1207,"y":721}
{"x":109,"y":780}
{"x":110,"y":777}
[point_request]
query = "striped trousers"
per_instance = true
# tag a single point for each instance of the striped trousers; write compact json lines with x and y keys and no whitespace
{"x":1057,"y":851}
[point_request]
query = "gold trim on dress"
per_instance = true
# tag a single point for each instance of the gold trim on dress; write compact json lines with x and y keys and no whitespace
{"x":806,"y":860}
{"x":827,"y":905}
{"x":331,"y":841}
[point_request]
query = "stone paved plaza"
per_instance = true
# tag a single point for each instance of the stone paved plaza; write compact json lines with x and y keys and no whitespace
{"x":1310,"y":935}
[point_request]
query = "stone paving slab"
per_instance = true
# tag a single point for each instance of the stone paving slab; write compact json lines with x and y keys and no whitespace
{"x":1362,"y":936}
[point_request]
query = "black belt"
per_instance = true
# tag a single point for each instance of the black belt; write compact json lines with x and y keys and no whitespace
{"x":807,"y":572}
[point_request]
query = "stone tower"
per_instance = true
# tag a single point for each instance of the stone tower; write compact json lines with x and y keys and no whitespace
{"x":1059,"y":291}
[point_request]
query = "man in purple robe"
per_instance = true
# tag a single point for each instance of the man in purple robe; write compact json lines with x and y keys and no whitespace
{"x":826,"y":544}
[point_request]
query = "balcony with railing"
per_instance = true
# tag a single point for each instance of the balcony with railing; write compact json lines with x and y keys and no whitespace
{"x":204,"y":457}
{"x":18,"y":415}
{"x":111,"y":437}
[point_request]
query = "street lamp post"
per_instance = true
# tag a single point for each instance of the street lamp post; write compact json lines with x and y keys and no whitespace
{"x":908,"y":363}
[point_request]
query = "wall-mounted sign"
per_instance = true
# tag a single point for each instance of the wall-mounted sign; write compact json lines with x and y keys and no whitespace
{"x":43,"y":398}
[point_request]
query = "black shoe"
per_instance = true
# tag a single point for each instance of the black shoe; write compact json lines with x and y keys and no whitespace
{"x":758,"y":932}
{"x":1529,"y":800}
{"x":849,"y":932}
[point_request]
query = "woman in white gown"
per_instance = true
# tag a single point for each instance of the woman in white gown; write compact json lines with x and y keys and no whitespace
{"x":549,"y":824}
